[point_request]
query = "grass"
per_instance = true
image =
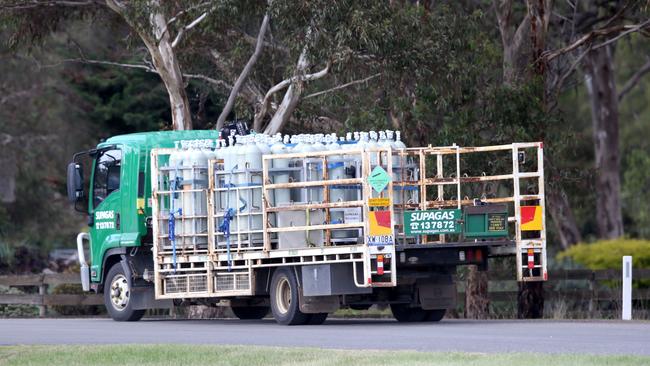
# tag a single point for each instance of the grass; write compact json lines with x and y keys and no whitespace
{"x":143,"y":355}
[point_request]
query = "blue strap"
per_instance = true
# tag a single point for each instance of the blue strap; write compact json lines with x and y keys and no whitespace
{"x":227,"y":218}
{"x":172,"y":219}
{"x":225,"y":229}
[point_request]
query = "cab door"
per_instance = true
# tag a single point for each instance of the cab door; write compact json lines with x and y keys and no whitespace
{"x":105,"y":209}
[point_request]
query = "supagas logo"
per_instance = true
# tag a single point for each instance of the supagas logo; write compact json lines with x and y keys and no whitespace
{"x":105,"y":215}
{"x":433,"y":215}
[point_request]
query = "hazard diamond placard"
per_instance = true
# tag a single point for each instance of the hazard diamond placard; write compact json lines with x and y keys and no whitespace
{"x":531,"y":218}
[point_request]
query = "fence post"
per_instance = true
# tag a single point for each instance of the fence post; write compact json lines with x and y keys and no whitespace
{"x":594,"y":293}
{"x":42,"y":309}
{"x":627,"y":288}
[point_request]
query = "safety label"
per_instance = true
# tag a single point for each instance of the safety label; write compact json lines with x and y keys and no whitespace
{"x":379,"y":202}
{"x":379,"y":179}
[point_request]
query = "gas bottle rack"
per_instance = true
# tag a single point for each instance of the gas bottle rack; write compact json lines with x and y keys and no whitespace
{"x":188,"y":242}
{"x":508,"y":180}
{"x":419,"y":184}
{"x":221,"y":184}
{"x":197,"y":272}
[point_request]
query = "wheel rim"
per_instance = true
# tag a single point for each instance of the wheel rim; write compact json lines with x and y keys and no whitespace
{"x":283,"y":296}
{"x":120,"y":292}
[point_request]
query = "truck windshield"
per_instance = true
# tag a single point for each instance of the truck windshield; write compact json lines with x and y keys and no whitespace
{"x":107,"y":175}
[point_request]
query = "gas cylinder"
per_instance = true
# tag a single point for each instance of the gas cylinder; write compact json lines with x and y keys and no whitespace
{"x":281,"y":195}
{"x":195,"y":203}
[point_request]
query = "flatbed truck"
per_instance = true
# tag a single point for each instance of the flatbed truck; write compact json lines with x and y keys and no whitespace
{"x":162,"y":234}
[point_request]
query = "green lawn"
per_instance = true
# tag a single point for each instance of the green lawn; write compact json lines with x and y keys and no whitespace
{"x":252,"y":355}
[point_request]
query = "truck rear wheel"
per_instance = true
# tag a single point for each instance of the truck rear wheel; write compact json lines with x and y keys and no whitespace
{"x":118,"y":296}
{"x":284,"y":298}
{"x":317,"y":319}
{"x":435,"y":315}
{"x":250,"y":312}
{"x":403,"y":313}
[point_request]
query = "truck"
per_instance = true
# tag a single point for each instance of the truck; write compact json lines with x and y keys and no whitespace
{"x":303,"y":225}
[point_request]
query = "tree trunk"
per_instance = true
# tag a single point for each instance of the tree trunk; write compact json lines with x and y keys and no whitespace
{"x":565,"y":224}
{"x":530,"y":302}
{"x":239,"y":83}
{"x":477,"y":304}
{"x":601,"y":87}
{"x":164,"y":60}
{"x":291,"y":97}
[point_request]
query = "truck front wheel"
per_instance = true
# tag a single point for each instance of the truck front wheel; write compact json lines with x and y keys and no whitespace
{"x":117,"y":296}
{"x":284,"y":298}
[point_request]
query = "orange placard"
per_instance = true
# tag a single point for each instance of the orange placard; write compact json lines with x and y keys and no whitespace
{"x":531,"y":218}
{"x":380,"y":223}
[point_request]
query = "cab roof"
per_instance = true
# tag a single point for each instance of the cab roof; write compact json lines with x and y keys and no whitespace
{"x":159,"y":139}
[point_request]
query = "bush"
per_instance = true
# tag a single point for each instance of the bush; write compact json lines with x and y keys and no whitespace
{"x":606,"y":254}
{"x":74,"y":289}
{"x":16,"y":311}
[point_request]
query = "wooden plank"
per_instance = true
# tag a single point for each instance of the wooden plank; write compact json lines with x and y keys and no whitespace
{"x":314,"y":206}
{"x":21,"y":280}
{"x":573,"y":295}
{"x":74,"y":300}
{"x":10,"y":299}
{"x":55,"y":279}
{"x":315,"y":183}
{"x":314,"y":227}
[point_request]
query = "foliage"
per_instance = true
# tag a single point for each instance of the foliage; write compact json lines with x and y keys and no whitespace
{"x":16,"y":311}
{"x":73,"y":289}
{"x":607,"y":254}
{"x":636,"y":191}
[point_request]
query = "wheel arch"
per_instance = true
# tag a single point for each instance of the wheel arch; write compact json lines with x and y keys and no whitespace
{"x":111,"y":256}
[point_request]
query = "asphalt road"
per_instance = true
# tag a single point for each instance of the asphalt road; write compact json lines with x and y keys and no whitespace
{"x":593,"y":337}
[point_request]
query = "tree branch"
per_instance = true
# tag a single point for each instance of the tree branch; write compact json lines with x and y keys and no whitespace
{"x":36,"y":4}
{"x":208,"y":79}
{"x":245,"y":72}
{"x":139,"y":67}
{"x":339,"y":87}
{"x":177,"y":16}
{"x":625,"y":29}
{"x":631,"y":83}
{"x":101,"y":62}
{"x":181,"y":32}
{"x":286,"y":83}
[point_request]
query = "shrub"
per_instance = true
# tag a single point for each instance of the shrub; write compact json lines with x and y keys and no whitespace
{"x":16,"y":311}
{"x":74,"y":289}
{"x":606,"y":254}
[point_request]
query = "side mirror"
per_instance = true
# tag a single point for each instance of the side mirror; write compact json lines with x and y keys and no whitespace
{"x":75,"y":182}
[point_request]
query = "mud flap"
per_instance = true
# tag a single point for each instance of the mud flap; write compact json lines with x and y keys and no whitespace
{"x":143,"y":299}
{"x":436,"y":295}
{"x":318,"y":304}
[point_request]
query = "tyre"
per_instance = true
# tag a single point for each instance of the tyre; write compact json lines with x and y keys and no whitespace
{"x":435,"y":315}
{"x":317,"y":319}
{"x":250,"y":312}
{"x":405,"y":314}
{"x":284,"y":298}
{"x":360,"y":307}
{"x":117,"y":296}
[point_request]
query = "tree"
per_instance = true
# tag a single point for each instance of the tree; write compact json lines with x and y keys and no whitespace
{"x":595,"y":28}
{"x":149,"y":19}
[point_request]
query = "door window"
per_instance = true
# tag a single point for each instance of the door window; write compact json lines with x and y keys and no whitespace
{"x":107,"y":175}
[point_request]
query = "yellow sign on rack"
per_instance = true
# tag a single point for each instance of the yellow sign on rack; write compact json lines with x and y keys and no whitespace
{"x":531,"y":218}
{"x":379,"y":202}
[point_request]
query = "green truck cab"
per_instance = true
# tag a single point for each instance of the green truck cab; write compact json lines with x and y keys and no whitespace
{"x":118,"y":197}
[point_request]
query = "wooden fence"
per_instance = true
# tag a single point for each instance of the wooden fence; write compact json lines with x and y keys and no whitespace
{"x":44,"y":299}
{"x":580,"y":286}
